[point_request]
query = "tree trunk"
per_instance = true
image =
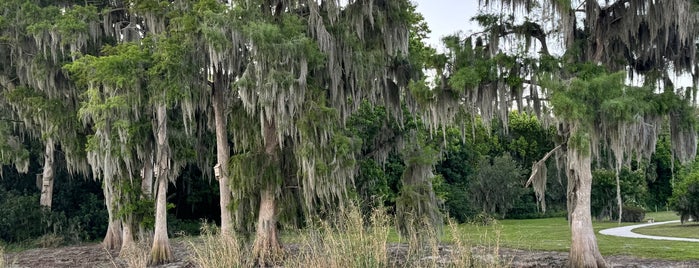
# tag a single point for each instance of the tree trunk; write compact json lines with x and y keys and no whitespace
{"x":48,"y":175}
{"x":583,"y":249}
{"x":126,"y":234}
{"x":112,"y":240}
{"x":222,"y":155}
{"x":147,"y":178}
{"x":618,"y":196}
{"x":146,"y":194}
{"x":161,"y":253}
{"x":267,"y":244}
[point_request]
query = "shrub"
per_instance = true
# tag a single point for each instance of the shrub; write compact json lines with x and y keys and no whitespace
{"x":497,"y":185}
{"x":632,"y":214}
{"x":685,"y":198}
{"x":17,"y":211}
{"x":483,"y":219}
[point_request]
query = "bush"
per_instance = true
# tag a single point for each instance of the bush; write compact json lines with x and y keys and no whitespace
{"x":685,"y":198}
{"x":20,"y":217}
{"x":483,"y":219}
{"x":23,"y":220}
{"x":497,"y":185}
{"x":632,"y":214}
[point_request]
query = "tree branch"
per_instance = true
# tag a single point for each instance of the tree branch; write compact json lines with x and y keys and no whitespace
{"x":535,"y":168}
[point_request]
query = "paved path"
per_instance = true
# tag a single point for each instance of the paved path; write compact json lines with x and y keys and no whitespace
{"x":626,"y":232}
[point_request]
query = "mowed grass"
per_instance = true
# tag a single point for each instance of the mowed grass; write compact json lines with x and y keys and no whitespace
{"x":553,"y":234}
{"x":688,"y":230}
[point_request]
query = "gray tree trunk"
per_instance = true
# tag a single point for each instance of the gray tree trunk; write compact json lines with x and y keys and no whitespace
{"x":161,"y":253}
{"x":222,"y":156}
{"x":48,"y":175}
{"x":267,"y":244}
{"x":266,"y":240}
{"x":583,"y":249}
{"x":126,"y":234}
{"x":619,"y":202}
{"x":112,"y":240}
{"x":146,"y":193}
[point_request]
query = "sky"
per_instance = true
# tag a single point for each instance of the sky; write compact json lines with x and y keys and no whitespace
{"x":446,"y":17}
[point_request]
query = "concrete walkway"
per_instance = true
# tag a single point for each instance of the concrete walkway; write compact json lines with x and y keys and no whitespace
{"x":626,"y":232}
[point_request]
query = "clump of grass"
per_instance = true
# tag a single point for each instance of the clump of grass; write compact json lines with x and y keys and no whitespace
{"x":2,"y":256}
{"x":487,"y":254}
{"x":348,"y":241}
{"x":50,"y":240}
{"x":461,"y":255}
{"x":136,"y":255}
{"x":216,"y":250}
{"x":423,"y":244}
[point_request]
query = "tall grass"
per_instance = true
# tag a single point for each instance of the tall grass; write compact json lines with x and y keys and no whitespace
{"x":350,"y":240}
{"x":2,"y":256}
{"x":347,"y":241}
{"x":136,"y":255}
{"x":217,"y":251}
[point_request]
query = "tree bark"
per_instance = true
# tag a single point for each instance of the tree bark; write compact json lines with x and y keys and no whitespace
{"x":48,"y":175}
{"x":583,"y":249}
{"x":161,"y":253}
{"x":146,"y":194}
{"x":126,"y":234}
{"x":112,"y":240}
{"x":267,"y":244}
{"x":619,"y":202}
{"x":222,"y":154}
{"x":147,"y":178}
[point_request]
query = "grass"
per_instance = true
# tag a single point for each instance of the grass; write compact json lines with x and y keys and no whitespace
{"x":688,"y":230}
{"x":553,"y":234}
{"x":348,"y":240}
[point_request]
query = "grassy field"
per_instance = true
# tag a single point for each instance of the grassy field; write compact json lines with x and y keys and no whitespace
{"x":689,"y":230}
{"x":553,"y":234}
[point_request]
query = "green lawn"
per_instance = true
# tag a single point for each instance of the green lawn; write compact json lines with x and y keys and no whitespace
{"x":554,"y":234}
{"x":689,"y":230}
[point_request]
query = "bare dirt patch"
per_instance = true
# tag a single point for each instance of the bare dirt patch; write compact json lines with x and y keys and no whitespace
{"x":93,"y":255}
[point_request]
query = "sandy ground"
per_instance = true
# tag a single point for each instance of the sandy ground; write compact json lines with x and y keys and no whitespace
{"x":93,"y":255}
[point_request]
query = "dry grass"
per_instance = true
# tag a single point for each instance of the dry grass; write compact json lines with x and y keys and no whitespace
{"x":216,"y":251}
{"x":136,"y":255}
{"x":2,"y":256}
{"x":348,"y":241}
{"x":351,"y":240}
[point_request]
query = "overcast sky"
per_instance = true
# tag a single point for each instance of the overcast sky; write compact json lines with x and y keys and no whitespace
{"x":446,"y":17}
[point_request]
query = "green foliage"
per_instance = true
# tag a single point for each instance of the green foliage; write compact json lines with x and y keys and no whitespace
{"x":659,"y":174}
{"x":465,"y":78}
{"x":74,"y":219}
{"x":595,"y":95}
{"x":20,"y":216}
{"x":685,"y":195}
{"x":632,"y":214}
{"x":634,"y":191}
{"x":498,"y":183}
